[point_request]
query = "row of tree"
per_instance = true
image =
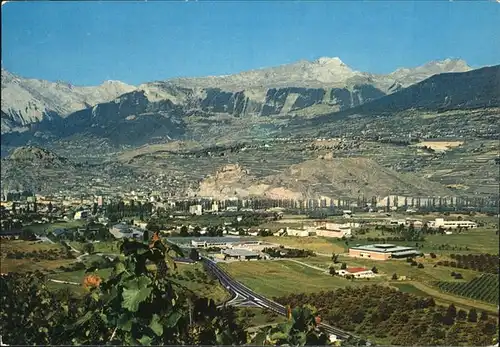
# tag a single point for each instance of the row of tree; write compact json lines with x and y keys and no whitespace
{"x":479,"y":262}
{"x":288,"y":252}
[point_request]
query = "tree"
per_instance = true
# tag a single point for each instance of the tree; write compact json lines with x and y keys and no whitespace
{"x":332,"y":271}
{"x":153,"y":226}
{"x":461,"y":315}
{"x":484,"y":316}
{"x":451,"y":311}
{"x":197,"y":231}
{"x":194,"y":255}
{"x":374,"y":270}
{"x":335,"y":258}
{"x":27,"y":235}
{"x":472,"y":316}
{"x":394,"y":277}
{"x":184,"y":231}
{"x":88,"y":248}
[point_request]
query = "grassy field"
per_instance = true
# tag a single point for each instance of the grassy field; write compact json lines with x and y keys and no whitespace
{"x":257,"y":317}
{"x":24,"y":265}
{"x":316,"y":244}
{"x":26,"y":246}
{"x":409,"y":288}
{"x":480,"y":240}
{"x":99,"y":247}
{"x":428,"y":275}
{"x":78,"y":276}
{"x":278,"y":278}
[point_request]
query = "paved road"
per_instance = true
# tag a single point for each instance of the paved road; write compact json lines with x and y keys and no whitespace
{"x":238,"y":289}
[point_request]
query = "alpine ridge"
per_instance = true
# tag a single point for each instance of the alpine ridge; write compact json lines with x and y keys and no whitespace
{"x":326,"y":83}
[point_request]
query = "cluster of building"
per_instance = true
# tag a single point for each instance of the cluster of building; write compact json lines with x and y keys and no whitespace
{"x":325,"y":229}
{"x":233,"y":248}
{"x":435,"y":224}
{"x":120,"y":231}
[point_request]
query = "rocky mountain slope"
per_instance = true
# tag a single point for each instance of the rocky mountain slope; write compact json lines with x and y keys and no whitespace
{"x":27,"y":101}
{"x":322,"y":73}
{"x":325,"y":176}
{"x":266,"y":92}
{"x":30,"y":168}
{"x":36,"y":156}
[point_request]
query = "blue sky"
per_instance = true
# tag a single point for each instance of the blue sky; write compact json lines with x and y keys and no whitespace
{"x":88,"y":42}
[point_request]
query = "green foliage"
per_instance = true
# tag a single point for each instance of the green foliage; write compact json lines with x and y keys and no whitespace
{"x":136,"y":305}
{"x":288,"y":252}
{"x":300,"y":330}
{"x":30,"y":313}
{"x":88,"y":248}
{"x":396,"y":317}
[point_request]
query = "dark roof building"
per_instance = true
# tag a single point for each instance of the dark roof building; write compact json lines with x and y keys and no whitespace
{"x":383,"y":251}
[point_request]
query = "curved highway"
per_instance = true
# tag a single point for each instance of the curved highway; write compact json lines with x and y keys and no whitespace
{"x":240,"y":290}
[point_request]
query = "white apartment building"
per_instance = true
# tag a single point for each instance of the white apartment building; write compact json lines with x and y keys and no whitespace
{"x":196,"y":210}
{"x":440,"y":222}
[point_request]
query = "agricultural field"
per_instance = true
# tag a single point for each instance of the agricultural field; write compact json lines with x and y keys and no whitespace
{"x":108,"y":247}
{"x":483,"y":288}
{"x":441,"y":298}
{"x":28,"y":263}
{"x":278,"y":278}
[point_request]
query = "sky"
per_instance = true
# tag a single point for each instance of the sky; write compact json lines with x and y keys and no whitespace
{"x":88,"y":42}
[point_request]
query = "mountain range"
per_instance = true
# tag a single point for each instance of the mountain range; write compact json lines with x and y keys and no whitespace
{"x":135,"y":115}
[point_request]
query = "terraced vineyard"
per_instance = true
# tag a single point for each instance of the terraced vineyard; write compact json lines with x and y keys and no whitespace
{"x":484,"y":288}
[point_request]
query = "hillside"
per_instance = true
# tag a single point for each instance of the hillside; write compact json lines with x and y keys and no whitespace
{"x":325,"y":176}
{"x":32,"y":168}
{"x":447,"y":91}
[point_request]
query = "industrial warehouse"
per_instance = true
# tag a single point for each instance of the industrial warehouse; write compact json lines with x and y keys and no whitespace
{"x":382,"y":251}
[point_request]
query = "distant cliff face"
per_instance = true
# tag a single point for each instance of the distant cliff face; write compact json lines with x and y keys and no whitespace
{"x":260,"y":101}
